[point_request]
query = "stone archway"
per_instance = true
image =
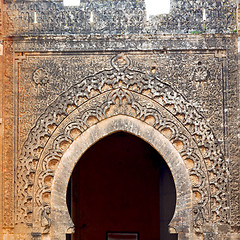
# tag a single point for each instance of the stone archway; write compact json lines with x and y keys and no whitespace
{"x":61,"y":221}
{"x":106,"y":95}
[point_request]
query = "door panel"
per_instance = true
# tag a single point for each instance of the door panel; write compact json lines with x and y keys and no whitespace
{"x":116,"y":187}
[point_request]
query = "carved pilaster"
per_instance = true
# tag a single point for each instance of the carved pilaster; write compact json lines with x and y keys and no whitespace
{"x":8,"y":136}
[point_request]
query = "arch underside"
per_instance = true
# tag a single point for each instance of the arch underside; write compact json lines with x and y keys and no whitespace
{"x":121,"y":93}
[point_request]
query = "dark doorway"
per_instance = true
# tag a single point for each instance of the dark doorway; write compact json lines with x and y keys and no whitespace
{"x":121,"y":184}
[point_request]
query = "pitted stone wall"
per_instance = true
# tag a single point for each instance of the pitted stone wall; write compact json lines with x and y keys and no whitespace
{"x":121,"y":17}
{"x":53,"y":53}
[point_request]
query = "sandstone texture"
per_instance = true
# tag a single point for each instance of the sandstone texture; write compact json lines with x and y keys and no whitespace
{"x":70,"y":76}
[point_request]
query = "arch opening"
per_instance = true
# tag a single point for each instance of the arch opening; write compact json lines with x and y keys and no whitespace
{"x":61,"y":221}
{"x":122,"y":185}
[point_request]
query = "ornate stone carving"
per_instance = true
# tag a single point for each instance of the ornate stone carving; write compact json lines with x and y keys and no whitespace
{"x":175,"y":69}
{"x":200,"y":73}
{"x":198,"y":218}
{"x":122,"y":90}
{"x":120,"y":62}
{"x":8,"y":137}
{"x":45,"y":220}
{"x":40,"y":76}
{"x":121,"y":17}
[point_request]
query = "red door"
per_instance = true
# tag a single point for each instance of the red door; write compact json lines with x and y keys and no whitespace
{"x":116,"y":187}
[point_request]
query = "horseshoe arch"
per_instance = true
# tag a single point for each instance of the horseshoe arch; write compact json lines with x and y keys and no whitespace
{"x":62,"y":222}
{"x":142,"y":102}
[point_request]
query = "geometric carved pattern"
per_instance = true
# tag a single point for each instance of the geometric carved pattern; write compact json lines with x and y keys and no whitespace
{"x":122,"y":91}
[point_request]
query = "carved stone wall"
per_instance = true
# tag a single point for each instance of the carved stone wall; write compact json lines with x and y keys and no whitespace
{"x":64,"y":76}
{"x":121,"y":17}
{"x":118,"y":77}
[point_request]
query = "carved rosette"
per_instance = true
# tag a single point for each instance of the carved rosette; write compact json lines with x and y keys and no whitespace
{"x":122,"y":91}
{"x":40,"y":76}
{"x":200,"y":73}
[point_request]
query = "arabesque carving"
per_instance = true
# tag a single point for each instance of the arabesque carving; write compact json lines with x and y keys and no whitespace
{"x":45,"y":220}
{"x":122,"y":91}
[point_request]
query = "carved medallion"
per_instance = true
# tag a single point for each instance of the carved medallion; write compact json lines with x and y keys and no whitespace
{"x":40,"y":76}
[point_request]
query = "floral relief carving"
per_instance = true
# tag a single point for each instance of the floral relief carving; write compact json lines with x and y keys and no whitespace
{"x":120,"y":62}
{"x":200,"y":73}
{"x":122,"y":90}
{"x":40,"y":76}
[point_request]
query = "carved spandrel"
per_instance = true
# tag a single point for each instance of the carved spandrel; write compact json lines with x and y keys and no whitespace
{"x":176,"y":70}
{"x":43,"y":78}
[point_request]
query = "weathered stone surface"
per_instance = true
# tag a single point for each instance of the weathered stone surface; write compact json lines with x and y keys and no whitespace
{"x":121,"y":17}
{"x":67,"y":82}
{"x":1,"y":125}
